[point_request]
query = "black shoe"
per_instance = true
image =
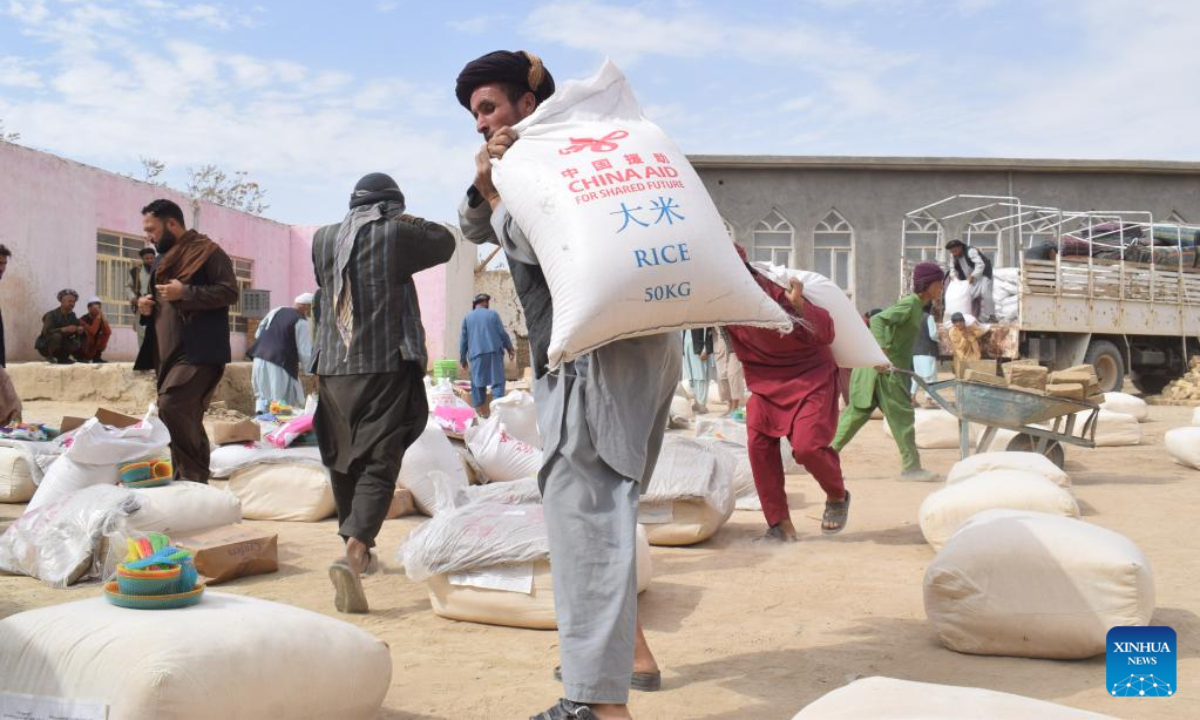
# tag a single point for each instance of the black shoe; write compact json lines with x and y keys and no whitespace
{"x":66,"y":361}
{"x":566,"y":710}
{"x":99,"y":361}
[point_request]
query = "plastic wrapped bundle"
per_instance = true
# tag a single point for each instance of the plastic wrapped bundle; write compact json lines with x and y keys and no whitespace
{"x":79,"y":537}
{"x":689,"y":496}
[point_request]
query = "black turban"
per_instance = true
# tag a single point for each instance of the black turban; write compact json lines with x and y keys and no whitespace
{"x":374,"y":188}
{"x":522,"y":69}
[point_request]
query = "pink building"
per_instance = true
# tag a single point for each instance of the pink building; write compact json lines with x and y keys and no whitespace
{"x":74,"y":226}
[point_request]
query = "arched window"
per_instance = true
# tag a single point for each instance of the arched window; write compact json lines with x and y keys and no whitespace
{"x":922,"y":239}
{"x":773,"y":236}
{"x":833,"y":250}
{"x":984,"y":234}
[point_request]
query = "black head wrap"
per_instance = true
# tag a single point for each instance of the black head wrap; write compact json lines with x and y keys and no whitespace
{"x":522,"y":69}
{"x":374,"y":188}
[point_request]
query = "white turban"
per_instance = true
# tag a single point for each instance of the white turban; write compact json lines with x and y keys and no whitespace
{"x":303,"y":299}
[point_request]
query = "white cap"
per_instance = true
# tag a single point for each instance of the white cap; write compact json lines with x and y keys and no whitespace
{"x":95,"y":300}
{"x":303,"y":299}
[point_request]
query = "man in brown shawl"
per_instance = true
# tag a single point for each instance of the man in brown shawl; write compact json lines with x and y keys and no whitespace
{"x":187,"y":331}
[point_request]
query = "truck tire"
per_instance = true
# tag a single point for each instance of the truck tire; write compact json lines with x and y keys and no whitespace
{"x":1109,"y":364}
{"x":1149,"y":383}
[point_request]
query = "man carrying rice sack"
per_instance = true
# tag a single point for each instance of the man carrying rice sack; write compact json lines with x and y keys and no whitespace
{"x":370,"y":362}
{"x":794,"y":381}
{"x":602,"y":416}
{"x":895,"y":329}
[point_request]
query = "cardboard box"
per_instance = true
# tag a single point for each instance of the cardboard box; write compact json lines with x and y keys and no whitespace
{"x":225,"y":432}
{"x":1074,"y":391}
{"x":985,"y":378}
{"x":983,"y":366}
{"x":1025,"y":375}
{"x":104,"y":415}
{"x":231,"y":551}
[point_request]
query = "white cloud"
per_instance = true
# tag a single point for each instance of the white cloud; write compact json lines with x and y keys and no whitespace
{"x":17,"y":72}
{"x":207,"y":14}
{"x":479,"y":24}
{"x":387,"y":6}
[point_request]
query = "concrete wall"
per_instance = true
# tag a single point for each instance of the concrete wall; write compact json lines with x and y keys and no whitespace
{"x":874,"y":202}
{"x":51,"y":209}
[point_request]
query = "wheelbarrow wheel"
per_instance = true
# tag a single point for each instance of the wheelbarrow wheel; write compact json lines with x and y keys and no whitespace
{"x":1028,"y":443}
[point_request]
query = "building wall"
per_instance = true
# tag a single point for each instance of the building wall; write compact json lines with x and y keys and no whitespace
{"x":51,"y":209}
{"x":874,"y":202}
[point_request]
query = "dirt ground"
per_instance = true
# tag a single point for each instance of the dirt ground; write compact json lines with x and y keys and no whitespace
{"x":744,"y":631}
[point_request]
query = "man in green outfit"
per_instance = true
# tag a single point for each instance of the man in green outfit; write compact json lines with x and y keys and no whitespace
{"x":894,"y":329}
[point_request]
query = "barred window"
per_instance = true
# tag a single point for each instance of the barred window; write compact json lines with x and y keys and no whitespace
{"x":773,"y":240}
{"x":116,"y":254}
{"x":243,"y":269}
{"x":833,"y":250}
{"x":922,"y":236}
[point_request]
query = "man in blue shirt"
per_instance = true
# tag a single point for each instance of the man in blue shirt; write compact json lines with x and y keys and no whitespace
{"x":484,"y":342}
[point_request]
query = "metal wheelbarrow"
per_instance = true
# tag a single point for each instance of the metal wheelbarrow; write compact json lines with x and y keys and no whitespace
{"x":1043,"y":423}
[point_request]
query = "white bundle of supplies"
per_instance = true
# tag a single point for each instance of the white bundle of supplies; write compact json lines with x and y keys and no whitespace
{"x":208,"y":661}
{"x":290,"y":492}
{"x":489,"y":562}
{"x":1027,"y":584}
{"x":1126,"y":403}
{"x":883,"y":697}
{"x":629,"y":240}
{"x":944,"y":510}
{"x":737,"y":459}
{"x":78,"y":537}
{"x":1006,"y":293}
{"x":517,"y":412}
{"x":92,"y":454}
{"x":228,"y":459}
{"x":689,"y":496}
{"x":500,"y":454}
{"x":1029,"y":462}
{"x":1183,"y":445}
{"x":432,"y":470}
{"x":958,"y":297}
{"x":183,"y":507}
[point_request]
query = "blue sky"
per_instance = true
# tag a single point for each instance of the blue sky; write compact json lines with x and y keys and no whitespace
{"x":308,"y":96}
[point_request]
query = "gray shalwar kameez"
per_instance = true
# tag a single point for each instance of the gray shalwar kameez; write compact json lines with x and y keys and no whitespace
{"x":602,"y":419}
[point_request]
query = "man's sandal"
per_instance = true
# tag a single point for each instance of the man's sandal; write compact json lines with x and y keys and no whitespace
{"x":566,"y":710}
{"x":836,"y":514}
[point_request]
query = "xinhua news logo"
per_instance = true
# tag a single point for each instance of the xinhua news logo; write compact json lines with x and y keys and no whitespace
{"x":1141,"y":662}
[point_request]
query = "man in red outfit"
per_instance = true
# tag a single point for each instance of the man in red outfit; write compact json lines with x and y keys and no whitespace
{"x":794,"y":381}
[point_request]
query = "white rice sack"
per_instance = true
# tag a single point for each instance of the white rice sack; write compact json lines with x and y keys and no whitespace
{"x":93,"y":452}
{"x":16,"y":476}
{"x":1183,"y":444}
{"x":518,"y":414}
{"x":944,"y":510}
{"x":1029,"y":462}
{"x":228,"y":459}
{"x":1126,"y":403}
{"x":80,"y":537}
{"x":500,"y":455}
{"x":512,"y":595}
{"x":936,"y":429}
{"x":1196,"y":416}
{"x":690,"y":495}
{"x":184,"y":507}
{"x":630,"y":241}
{"x":853,"y":344}
{"x":231,"y":657}
{"x":681,"y":412}
{"x":289,"y":492}
{"x":958,"y":296}
{"x":1028,"y":584}
{"x":432,"y":471}
{"x":882,"y":697}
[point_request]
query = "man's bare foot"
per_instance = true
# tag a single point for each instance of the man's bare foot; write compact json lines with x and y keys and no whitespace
{"x":643,"y":658}
{"x":358,"y":555}
{"x":788,"y":530}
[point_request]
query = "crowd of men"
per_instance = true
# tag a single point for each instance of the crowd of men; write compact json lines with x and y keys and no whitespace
{"x":602,"y":417}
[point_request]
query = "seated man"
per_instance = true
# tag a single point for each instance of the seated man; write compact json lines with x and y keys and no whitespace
{"x":61,"y":333}
{"x":96,"y":332}
{"x":964,"y":339}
